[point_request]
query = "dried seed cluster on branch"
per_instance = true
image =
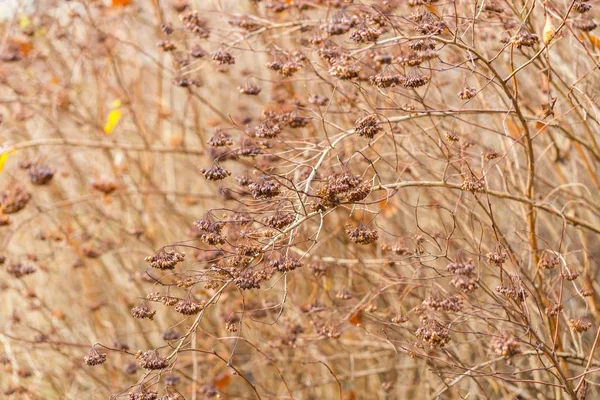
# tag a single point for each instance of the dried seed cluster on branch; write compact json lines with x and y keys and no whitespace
{"x":431,"y":127}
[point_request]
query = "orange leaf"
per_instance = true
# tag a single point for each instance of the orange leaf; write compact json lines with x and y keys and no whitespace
{"x":120,"y":3}
{"x":22,"y":46}
{"x":25,"y":47}
{"x":221,"y":381}
{"x":350,"y":396}
{"x":356,"y":318}
{"x":432,"y":8}
{"x":540,"y":126}
{"x":595,"y":41}
{"x":387,"y":209}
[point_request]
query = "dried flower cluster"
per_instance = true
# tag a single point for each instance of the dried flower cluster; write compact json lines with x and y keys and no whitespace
{"x":548,"y":262}
{"x":215,"y":173}
{"x":473,"y":184}
{"x":506,"y":345}
{"x":94,"y":357}
{"x":362,"y":235}
{"x":19,"y":270}
{"x":341,"y":188}
{"x":579,"y":325}
{"x":451,"y":303}
{"x":513,"y":288}
{"x":151,"y":360}
{"x":464,"y":279}
{"x":497,"y":258}
{"x":210,"y":231}
{"x":553,"y":309}
{"x":326,"y":330}
{"x":40,"y":175}
{"x":280,"y":220}
{"x":142,"y":311}
{"x":461,"y":137}
{"x":434,"y":333}
{"x":220,"y":139}
{"x":285,"y":263}
{"x":367,"y":126}
{"x":165,"y":259}
{"x":189,"y":307}
{"x":14,"y":198}
{"x":264,"y":187}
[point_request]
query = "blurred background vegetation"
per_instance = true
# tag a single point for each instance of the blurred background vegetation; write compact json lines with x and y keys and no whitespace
{"x":106,"y":111}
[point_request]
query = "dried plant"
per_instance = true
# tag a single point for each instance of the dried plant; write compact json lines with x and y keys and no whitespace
{"x":299,"y":199}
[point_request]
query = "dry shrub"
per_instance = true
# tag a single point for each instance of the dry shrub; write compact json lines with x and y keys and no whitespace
{"x":309,"y":199}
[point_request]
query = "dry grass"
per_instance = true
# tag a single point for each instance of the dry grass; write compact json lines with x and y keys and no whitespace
{"x":378,"y":199}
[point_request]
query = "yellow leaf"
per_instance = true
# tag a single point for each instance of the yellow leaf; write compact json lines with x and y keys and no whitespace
{"x":24,"y":22}
{"x":549,"y":30}
{"x":111,"y":121}
{"x":41,"y":32}
{"x":3,"y":158}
